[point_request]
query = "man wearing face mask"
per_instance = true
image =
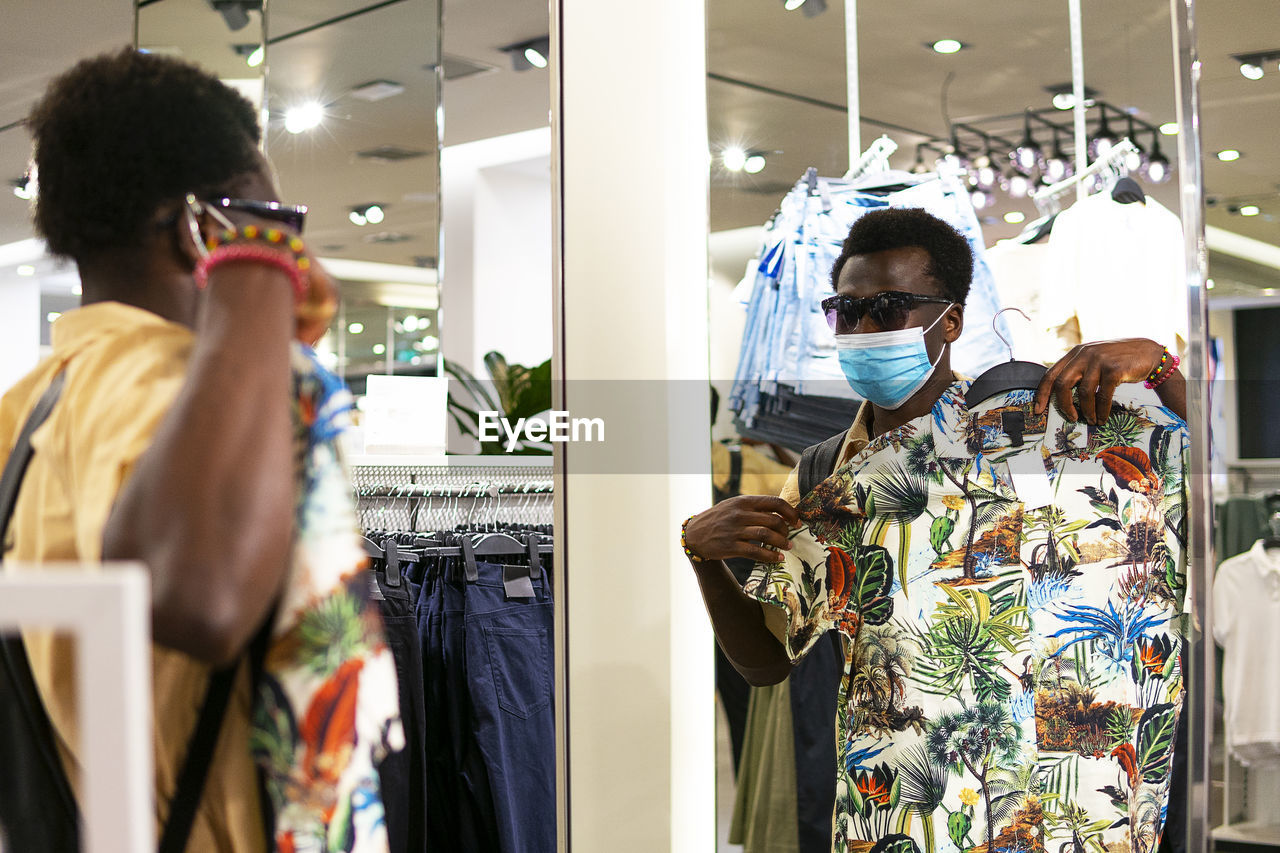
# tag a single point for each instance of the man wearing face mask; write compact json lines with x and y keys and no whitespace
{"x":900,"y":284}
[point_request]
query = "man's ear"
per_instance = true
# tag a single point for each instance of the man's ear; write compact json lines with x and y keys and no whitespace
{"x":953,"y":323}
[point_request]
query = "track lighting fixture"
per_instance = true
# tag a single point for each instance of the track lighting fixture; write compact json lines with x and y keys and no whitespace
{"x":1254,"y":66}
{"x":1135,"y":160}
{"x":1157,"y":169}
{"x":1058,"y":165}
{"x":534,"y":53}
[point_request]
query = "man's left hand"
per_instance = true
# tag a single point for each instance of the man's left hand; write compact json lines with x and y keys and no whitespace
{"x":1096,"y":369}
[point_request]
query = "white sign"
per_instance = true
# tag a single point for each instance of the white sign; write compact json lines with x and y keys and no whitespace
{"x":405,"y":414}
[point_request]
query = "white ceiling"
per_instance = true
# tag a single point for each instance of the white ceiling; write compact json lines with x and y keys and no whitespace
{"x":1014,"y":50}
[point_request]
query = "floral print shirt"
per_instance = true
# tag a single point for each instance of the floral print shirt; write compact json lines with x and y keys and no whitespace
{"x":327,"y":707}
{"x":1009,"y":588}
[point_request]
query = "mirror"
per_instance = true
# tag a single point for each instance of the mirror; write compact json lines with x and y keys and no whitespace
{"x":939,"y":84}
{"x":352,"y":132}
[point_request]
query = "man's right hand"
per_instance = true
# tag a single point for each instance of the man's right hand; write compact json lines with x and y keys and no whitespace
{"x":756,"y":527}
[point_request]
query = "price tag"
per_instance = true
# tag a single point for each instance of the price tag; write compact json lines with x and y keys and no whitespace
{"x":1030,"y":480}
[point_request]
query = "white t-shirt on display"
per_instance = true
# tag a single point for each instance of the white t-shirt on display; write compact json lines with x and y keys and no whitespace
{"x":1120,"y":269}
{"x":1246,"y":623}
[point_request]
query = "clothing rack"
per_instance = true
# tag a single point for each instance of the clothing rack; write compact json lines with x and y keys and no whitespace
{"x":1048,"y":200}
{"x":877,"y":155}
{"x":451,"y":492}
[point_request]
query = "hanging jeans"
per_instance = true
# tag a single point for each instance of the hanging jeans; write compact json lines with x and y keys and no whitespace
{"x":510,"y":665}
{"x":488,"y":665}
{"x":403,"y":774}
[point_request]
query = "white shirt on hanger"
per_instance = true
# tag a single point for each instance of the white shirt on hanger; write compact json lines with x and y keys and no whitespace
{"x":1119,"y":269}
{"x":1246,"y":623}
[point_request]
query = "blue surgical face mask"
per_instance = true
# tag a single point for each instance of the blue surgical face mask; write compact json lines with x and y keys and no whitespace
{"x":887,"y":367}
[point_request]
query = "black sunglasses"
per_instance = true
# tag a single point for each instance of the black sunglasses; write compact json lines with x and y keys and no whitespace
{"x":889,"y":309}
{"x":292,"y":215}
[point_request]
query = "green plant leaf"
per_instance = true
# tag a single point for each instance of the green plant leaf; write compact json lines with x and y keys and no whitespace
{"x":1156,"y":732}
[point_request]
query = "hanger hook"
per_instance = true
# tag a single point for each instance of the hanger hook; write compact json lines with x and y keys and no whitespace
{"x":995,"y":328}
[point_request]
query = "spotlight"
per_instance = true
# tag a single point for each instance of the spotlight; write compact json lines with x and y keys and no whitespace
{"x":1249,"y":210}
{"x":236,"y":12}
{"x":809,"y":8}
{"x":734,"y":159}
{"x":1104,"y":140}
{"x":1169,"y":128}
{"x":1058,"y":166}
{"x":1028,"y":155}
{"x":303,"y":117}
{"x":25,"y":270}
{"x":754,"y":164}
{"x":1019,"y":185}
{"x":1015,"y":217}
{"x":252,"y":53}
{"x":534,"y":53}
{"x":24,"y":187}
{"x":947,"y":46}
{"x":1158,"y":169}
{"x":1134,"y":160}
{"x":1229,"y":155}
{"x":1251,"y":71}
{"x":981,"y":199}
{"x":367,"y":214}
{"x":355,"y":328}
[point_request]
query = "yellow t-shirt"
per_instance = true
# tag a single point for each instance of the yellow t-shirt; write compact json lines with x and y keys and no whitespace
{"x":124,"y":368}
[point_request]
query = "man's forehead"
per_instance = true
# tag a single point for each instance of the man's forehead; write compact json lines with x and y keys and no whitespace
{"x":906,"y":268}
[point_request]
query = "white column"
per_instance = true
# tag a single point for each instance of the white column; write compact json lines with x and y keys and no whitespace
{"x":19,"y":328}
{"x":634,"y":646}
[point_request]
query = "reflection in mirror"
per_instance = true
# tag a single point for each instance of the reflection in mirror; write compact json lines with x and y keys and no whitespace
{"x":352,"y":100}
{"x":958,"y":608}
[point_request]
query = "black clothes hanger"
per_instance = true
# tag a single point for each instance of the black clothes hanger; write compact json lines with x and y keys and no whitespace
{"x":1037,"y":230}
{"x":1010,"y":376}
{"x":1127,"y":191}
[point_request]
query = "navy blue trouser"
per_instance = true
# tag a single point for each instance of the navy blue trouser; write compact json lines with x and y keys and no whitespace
{"x":487,"y":663}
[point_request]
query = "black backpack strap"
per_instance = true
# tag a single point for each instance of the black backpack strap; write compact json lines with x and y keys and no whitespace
{"x":818,"y":461}
{"x":13,"y":653}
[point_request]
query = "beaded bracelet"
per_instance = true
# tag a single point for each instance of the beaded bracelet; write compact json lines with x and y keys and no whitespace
{"x":257,"y":245}
{"x":688,"y":552}
{"x":1163,"y":370}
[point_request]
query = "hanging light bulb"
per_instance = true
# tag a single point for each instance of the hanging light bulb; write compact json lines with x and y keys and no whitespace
{"x":1104,"y":140}
{"x":1028,"y":155}
{"x":1019,"y":185}
{"x":1058,"y":166}
{"x":1135,"y":160}
{"x":1158,"y":169}
{"x":955,"y":156}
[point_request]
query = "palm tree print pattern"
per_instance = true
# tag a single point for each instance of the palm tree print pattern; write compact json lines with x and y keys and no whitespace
{"x":1012,"y":676}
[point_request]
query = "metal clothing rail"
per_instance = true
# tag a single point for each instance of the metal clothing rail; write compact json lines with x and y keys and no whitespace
{"x":473,"y":490}
{"x":464,"y":492}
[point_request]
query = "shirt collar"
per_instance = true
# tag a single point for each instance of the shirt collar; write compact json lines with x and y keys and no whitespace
{"x":81,"y":326}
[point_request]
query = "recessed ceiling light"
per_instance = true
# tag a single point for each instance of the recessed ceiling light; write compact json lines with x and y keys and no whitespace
{"x":947,"y":46}
{"x":25,"y":269}
{"x":254,"y":59}
{"x":792,"y":5}
{"x":1250,"y":210}
{"x":734,"y":159}
{"x":1253,"y":72}
{"x":53,"y":315}
{"x":1015,"y":217}
{"x":303,"y":117}
{"x":355,"y":328}
{"x":1209,"y":284}
{"x":1228,"y":155}
{"x":535,"y":57}
{"x":1268,"y":291}
{"x":1169,"y":128}
{"x":754,"y":164}
{"x":379,"y":349}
